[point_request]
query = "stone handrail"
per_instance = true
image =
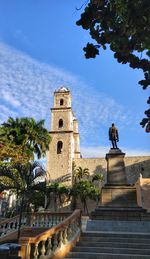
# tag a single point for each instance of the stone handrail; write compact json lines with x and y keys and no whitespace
{"x":55,"y":242}
{"x":35,"y":220}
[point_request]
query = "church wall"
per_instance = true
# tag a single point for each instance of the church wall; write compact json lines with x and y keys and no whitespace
{"x":134,"y":166}
{"x":95,"y":165}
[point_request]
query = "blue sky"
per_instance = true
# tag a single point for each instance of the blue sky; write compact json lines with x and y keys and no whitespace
{"x":41,"y":50}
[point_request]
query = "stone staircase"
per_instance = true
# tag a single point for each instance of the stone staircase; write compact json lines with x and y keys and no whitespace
{"x":120,"y":213}
{"x":112,"y":245}
{"x":118,"y":229}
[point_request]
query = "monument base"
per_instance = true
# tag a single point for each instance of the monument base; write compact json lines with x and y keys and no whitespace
{"x":118,"y":196}
{"x":115,"y":167}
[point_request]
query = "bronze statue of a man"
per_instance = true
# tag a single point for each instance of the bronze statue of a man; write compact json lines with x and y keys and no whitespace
{"x":113,"y":135}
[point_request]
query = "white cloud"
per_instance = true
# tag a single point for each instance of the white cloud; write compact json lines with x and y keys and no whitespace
{"x":27,"y":87}
{"x":9,"y":98}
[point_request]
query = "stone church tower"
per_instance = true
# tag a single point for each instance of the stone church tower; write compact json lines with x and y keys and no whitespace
{"x":65,"y":144}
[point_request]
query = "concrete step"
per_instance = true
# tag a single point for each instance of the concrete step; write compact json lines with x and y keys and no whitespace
{"x":111,"y":250}
{"x":101,"y":234}
{"x":115,"y":240}
{"x":113,"y":244}
{"x":120,"y":213}
{"x":105,"y":256}
{"x":118,"y":226}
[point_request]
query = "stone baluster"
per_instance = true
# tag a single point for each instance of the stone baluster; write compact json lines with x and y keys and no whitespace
{"x":76,"y":226}
{"x":65,"y":237}
{"x":38,"y":220}
{"x":43,"y":217}
{"x":30,"y":220}
{"x":69,"y":232}
{"x":16,"y":226}
{"x":49,"y":220}
{"x":3,"y":229}
{"x":23,"y":221}
{"x":35,"y":220}
{"x":46,"y":220}
{"x":53,"y":220}
{"x":61,"y":218}
{"x":60,"y":238}
{"x":36,"y":251}
{"x":55,"y":242}
{"x":43,"y":249}
{"x":49,"y":247}
{"x":72,"y":229}
{"x":58,"y":219}
{"x":41,"y":220}
{"x":9,"y":228}
{"x":6,"y":227}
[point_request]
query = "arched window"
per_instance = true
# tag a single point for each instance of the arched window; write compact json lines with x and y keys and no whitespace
{"x":61,"y":101}
{"x":60,"y":123}
{"x":59,"y":147}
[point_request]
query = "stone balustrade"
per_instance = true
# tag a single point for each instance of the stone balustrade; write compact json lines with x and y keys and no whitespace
{"x":10,"y":225}
{"x":35,"y":220}
{"x":55,"y":242}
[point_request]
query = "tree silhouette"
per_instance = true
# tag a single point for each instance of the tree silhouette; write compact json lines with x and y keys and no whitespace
{"x":124,"y":27}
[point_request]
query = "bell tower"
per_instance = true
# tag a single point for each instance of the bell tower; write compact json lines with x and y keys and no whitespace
{"x":64,"y":145}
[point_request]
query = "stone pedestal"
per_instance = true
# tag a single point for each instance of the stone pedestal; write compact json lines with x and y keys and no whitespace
{"x":115,"y":167}
{"x":117,"y":192}
{"x":118,"y":196}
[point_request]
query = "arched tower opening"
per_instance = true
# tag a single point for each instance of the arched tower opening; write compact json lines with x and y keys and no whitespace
{"x":61,"y":123}
{"x":59,"y":147}
{"x":61,"y":102}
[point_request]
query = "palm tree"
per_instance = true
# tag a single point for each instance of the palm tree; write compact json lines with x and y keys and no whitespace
{"x":98,"y":177}
{"x":56,"y":193}
{"x":28,"y":133}
{"x":80,"y":173}
{"x":21,"y":178}
{"x":84,"y":190}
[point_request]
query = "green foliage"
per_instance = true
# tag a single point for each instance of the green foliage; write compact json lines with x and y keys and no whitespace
{"x":57,"y":193}
{"x":80,"y":173}
{"x":98,"y":177}
{"x":124,"y":26}
{"x":27,"y":134}
{"x":22,"y":179}
{"x":38,"y":199}
{"x":84,"y":190}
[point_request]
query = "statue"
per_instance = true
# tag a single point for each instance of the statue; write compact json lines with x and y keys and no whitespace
{"x":113,"y":136}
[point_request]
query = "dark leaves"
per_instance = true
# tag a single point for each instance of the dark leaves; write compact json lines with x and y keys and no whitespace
{"x":91,"y":50}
